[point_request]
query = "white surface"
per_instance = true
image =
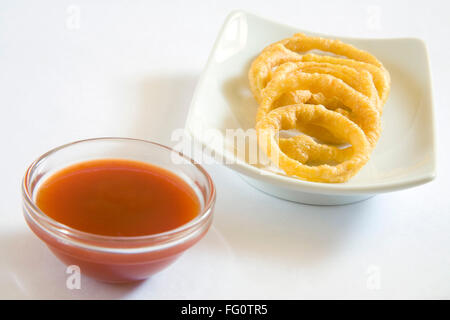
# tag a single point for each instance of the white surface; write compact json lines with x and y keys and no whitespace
{"x":404,"y":157}
{"x":130,"y":70}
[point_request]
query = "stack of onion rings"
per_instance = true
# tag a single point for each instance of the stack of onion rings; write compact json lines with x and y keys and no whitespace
{"x":333,"y":100}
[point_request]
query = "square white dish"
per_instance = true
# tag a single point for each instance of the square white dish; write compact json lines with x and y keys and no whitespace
{"x":404,"y":156}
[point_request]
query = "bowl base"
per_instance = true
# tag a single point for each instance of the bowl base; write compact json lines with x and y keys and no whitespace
{"x":317,"y":199}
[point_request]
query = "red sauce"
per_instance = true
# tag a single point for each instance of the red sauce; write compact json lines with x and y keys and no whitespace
{"x":118,"y":198}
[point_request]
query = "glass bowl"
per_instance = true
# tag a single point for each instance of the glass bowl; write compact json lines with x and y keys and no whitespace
{"x":109,"y":258}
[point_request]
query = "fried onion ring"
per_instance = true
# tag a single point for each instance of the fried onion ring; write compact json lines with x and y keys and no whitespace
{"x":301,"y":43}
{"x":381,"y":78}
{"x":288,"y":117}
{"x":263,"y":66}
{"x":335,"y":99}
{"x":359,"y":81}
{"x":305,"y":150}
{"x":363,"y":111}
{"x":290,"y":49}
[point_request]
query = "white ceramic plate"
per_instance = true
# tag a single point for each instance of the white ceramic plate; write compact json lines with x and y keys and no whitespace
{"x":404,"y":156}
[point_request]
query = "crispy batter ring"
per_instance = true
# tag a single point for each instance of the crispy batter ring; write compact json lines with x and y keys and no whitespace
{"x":380,"y":75}
{"x":288,"y":117}
{"x":305,"y":150}
{"x":332,"y":99}
{"x":363,"y":111}
{"x":301,"y":43}
{"x":358,"y":80}
{"x":290,"y":49}
{"x":262,"y":67}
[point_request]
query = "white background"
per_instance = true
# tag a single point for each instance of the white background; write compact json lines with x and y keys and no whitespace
{"x":129,"y":68}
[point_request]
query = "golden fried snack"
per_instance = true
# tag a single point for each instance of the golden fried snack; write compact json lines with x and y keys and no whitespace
{"x":352,"y":77}
{"x":336,"y":98}
{"x":290,"y":49}
{"x":285,"y":118}
{"x":363,"y":111}
{"x":301,"y":43}
{"x":380,"y":75}
{"x":293,"y":97}
{"x":358,"y":80}
{"x":306,"y":150}
{"x":262,"y":67}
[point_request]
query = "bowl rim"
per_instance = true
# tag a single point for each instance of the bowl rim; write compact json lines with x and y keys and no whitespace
{"x":59,"y":229}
